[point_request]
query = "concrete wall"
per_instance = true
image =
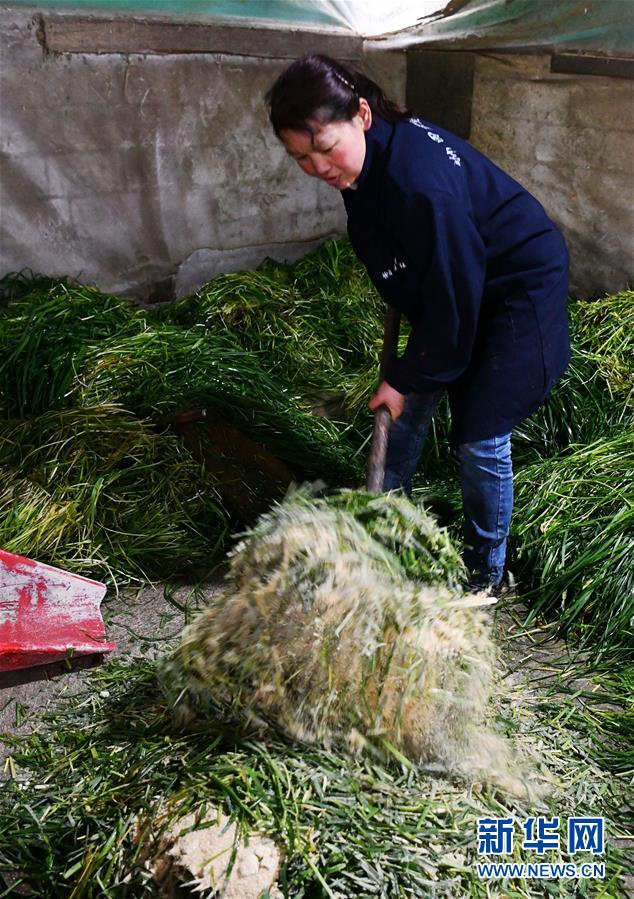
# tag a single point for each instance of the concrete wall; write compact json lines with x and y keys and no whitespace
{"x":149,"y":173}
{"x":569,"y":139}
{"x":440,"y":88}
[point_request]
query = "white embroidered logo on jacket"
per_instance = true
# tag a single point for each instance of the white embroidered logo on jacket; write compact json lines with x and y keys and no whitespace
{"x":392,"y":270}
{"x":451,"y":153}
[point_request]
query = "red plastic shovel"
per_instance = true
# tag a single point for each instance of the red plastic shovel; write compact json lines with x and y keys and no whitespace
{"x":47,"y":614}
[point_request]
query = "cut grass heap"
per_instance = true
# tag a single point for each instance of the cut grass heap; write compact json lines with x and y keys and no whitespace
{"x":46,"y":328}
{"x":593,"y":399}
{"x":574,"y":534}
{"x":99,"y":492}
{"x":312,"y":325}
{"x":165,"y":369}
{"x":321,"y":633}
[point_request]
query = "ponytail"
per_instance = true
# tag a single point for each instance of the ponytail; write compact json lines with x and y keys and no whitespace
{"x":319,"y":88}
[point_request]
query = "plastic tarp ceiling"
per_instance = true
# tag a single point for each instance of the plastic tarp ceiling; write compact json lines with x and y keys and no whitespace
{"x":363,"y":17}
{"x":599,"y":25}
{"x":602,"y":25}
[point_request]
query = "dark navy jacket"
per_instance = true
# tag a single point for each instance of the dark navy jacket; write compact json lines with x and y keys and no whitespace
{"x":475,"y":264}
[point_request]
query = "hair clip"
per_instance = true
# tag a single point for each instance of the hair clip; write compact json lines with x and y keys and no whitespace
{"x":344,"y":80}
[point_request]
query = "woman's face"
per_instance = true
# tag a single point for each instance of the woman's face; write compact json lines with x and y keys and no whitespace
{"x":335,"y":151}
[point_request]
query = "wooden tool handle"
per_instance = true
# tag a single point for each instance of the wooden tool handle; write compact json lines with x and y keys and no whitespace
{"x":382,"y":417}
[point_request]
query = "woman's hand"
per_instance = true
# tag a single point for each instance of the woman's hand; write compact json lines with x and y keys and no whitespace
{"x":388,"y":396}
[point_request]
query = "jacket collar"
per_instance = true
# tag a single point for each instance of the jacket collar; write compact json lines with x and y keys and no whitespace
{"x":377,"y":140}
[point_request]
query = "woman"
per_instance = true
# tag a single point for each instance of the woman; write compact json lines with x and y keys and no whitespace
{"x":470,"y":258}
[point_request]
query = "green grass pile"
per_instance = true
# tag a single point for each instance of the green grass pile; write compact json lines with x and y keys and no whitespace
{"x":574,"y":537}
{"x":593,"y":398}
{"x":605,"y":328}
{"x":343,"y":622}
{"x":266,"y":317}
{"x":68,"y":346}
{"x":335,"y":286}
{"x":98,"y":491}
{"x":313,"y":325}
{"x":46,"y":328}
{"x":164,"y":368}
{"x":316,"y":327}
{"x":79,"y":351}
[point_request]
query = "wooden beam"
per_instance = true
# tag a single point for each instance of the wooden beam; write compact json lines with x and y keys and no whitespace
{"x":584,"y":64}
{"x":125,"y":34}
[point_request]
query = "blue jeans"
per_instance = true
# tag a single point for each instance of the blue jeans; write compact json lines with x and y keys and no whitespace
{"x":486,"y":480}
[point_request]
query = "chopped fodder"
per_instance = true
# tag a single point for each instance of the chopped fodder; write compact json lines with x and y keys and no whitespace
{"x":574,"y":530}
{"x":425,"y":551}
{"x":321,"y":634}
